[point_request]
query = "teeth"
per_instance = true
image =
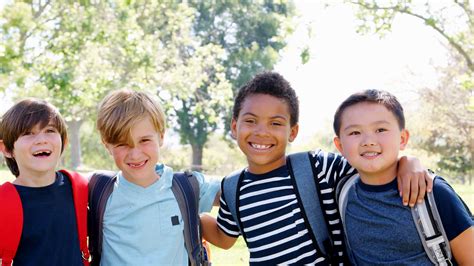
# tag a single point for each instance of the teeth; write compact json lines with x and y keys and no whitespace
{"x":135,"y":165}
{"x":39,"y":153}
{"x":260,"y":146}
{"x":370,"y":153}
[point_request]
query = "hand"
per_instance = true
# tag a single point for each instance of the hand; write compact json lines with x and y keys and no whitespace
{"x":413,"y":180}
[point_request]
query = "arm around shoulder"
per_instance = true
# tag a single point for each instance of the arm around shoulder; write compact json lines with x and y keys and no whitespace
{"x":213,"y":234}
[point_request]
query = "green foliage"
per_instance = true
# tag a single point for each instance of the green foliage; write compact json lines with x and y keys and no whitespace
{"x":190,"y":54}
{"x":445,"y":125}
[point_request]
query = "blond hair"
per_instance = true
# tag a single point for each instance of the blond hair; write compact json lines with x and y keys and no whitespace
{"x":120,"y":110}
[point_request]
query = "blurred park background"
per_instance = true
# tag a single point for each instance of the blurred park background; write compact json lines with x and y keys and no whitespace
{"x":195,"y":55}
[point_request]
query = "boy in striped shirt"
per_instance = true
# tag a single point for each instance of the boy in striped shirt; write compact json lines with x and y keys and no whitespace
{"x":276,"y":230}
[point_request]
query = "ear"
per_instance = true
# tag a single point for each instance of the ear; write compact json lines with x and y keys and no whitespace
{"x":338,"y":144}
{"x":161,"y":136}
{"x":3,"y":149}
{"x":233,"y":128}
{"x":293,"y":132}
{"x":404,"y":136}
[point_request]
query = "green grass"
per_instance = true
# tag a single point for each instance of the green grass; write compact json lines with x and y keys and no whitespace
{"x":238,"y":254}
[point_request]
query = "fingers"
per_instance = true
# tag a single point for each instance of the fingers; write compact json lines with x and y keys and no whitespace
{"x":429,"y":181}
{"x":406,"y":190}
{"x":422,"y":189}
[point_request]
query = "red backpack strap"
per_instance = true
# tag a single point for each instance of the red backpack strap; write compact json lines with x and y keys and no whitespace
{"x":11,"y":222}
{"x":80,"y":195}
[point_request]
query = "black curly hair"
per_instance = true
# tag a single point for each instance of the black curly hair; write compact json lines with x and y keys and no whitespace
{"x":273,"y":84}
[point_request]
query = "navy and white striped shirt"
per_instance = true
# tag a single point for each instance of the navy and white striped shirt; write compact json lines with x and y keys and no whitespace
{"x":274,"y":228}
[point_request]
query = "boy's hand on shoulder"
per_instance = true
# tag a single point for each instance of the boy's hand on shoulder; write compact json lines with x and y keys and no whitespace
{"x":413,"y":180}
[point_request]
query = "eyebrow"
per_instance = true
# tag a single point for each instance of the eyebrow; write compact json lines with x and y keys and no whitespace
{"x":272,"y":117}
{"x":374,"y":123}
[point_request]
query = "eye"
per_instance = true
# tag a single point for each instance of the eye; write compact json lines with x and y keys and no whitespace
{"x":27,"y":133}
{"x":354,"y":133}
{"x":381,"y":130}
{"x":250,"y":121}
{"x":51,"y":130}
{"x":145,"y":140}
{"x":277,"y":123}
{"x":119,"y":145}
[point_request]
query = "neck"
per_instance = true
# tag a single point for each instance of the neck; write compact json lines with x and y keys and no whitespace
{"x":143,"y":182}
{"x":378,"y":178}
{"x":35,"y":180}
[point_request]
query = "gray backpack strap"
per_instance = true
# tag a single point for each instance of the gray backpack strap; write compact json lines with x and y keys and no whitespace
{"x":306,"y":189}
{"x":230,"y":185}
{"x":185,"y":187}
{"x":342,"y":190}
{"x":431,"y":231}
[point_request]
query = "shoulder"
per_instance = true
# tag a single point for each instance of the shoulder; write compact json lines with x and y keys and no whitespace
{"x":75,"y":178}
{"x":443,"y":191}
{"x":455,"y":215}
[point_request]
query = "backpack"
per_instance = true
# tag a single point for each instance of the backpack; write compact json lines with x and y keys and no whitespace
{"x":301,"y":171}
{"x":427,"y":220}
{"x":101,"y":186}
{"x":11,"y":217}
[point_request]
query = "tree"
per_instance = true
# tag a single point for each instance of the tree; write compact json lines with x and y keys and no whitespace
{"x":446,"y":127}
{"x":190,"y":54}
{"x":251,"y":35}
{"x":72,"y":54}
{"x":454,"y":21}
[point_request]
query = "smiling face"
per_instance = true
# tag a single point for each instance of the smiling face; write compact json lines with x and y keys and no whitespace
{"x":263,"y":130}
{"x":37,"y":152}
{"x":138,"y":156}
{"x":370,"y":138}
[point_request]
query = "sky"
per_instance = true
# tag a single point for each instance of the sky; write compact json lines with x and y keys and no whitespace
{"x":343,"y":61}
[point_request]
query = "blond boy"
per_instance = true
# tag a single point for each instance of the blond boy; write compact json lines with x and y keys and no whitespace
{"x":140,"y":221}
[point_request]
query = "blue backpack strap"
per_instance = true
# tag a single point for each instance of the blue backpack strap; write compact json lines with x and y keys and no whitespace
{"x":101,"y":185}
{"x":301,"y":170}
{"x":185,"y":187}
{"x":230,"y":186}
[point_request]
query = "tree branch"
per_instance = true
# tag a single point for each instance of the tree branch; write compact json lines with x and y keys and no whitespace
{"x":406,"y":11}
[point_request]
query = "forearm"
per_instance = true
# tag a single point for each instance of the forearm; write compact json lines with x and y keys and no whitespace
{"x":213,"y":234}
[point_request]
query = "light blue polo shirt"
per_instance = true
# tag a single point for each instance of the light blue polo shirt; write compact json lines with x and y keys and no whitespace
{"x":138,"y":222}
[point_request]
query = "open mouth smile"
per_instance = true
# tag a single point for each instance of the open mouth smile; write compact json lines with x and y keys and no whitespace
{"x":261,"y":147}
{"x":42,"y":153}
{"x":370,"y":154}
{"x":137,"y":165}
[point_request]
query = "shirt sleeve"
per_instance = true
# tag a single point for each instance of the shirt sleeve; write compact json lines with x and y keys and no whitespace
{"x":225,"y":220}
{"x":330,"y":167}
{"x":208,"y":188}
{"x":454,"y":214}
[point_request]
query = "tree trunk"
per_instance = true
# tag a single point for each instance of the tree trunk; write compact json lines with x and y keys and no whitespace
{"x":75,"y":142}
{"x":197,"y":157}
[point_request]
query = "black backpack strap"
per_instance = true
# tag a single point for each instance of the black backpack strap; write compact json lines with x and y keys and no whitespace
{"x":185,"y":187}
{"x":305,"y":184}
{"x":101,"y":185}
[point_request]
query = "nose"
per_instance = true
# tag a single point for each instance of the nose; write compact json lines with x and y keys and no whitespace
{"x":368,"y":140}
{"x":261,"y":130}
{"x":134,"y":152}
{"x":40,"y":138}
